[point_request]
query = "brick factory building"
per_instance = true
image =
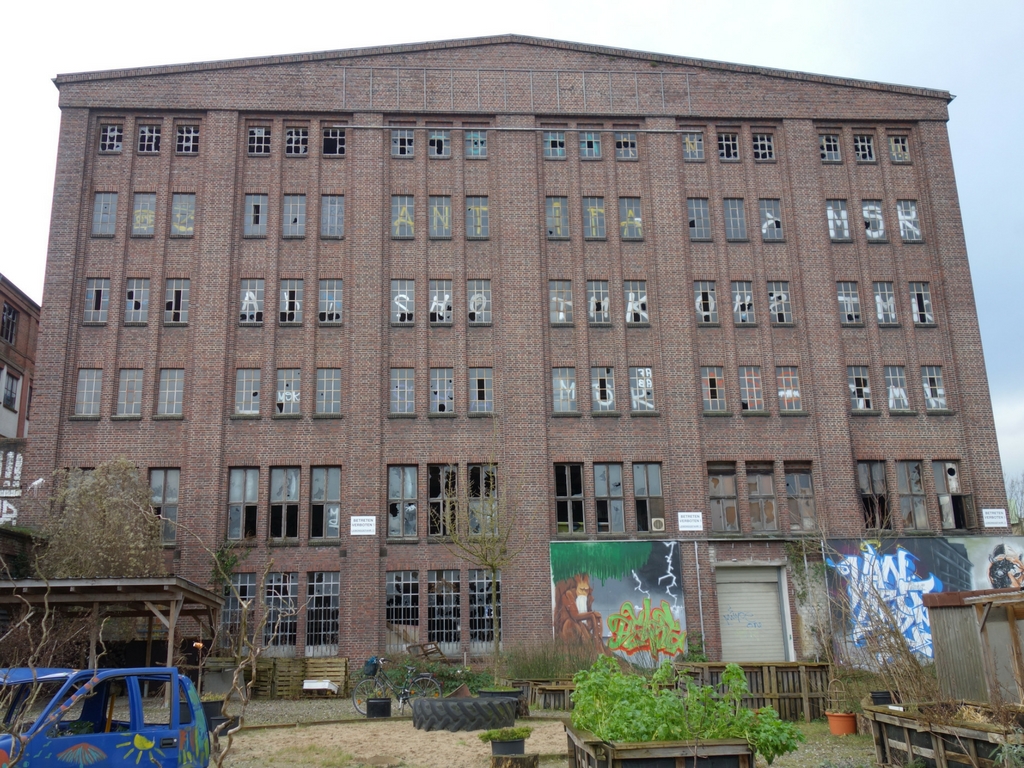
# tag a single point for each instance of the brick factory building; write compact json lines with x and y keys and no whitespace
{"x":693,"y":312}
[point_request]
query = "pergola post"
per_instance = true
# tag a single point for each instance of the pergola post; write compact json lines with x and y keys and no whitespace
{"x":94,"y":631}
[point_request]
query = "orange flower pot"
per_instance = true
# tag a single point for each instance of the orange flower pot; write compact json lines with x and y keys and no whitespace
{"x":842,"y":723}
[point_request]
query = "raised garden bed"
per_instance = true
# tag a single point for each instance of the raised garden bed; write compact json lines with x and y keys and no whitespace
{"x":585,"y":749}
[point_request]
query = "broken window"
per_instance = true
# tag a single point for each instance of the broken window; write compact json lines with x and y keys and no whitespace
{"x":402,"y":142}
{"x":440,"y":212}
{"x":641,"y":389}
{"x":849,"y":303}
{"x":860,"y":387}
{"x":647,"y":497}
{"x":284,"y":502}
{"x":328,"y":390}
{"x":187,"y":140}
{"x":442,"y":497}
{"x":136,"y":305}
{"x":743,"y":303}
{"x":483,"y":499}
{"x":838,"y":220}
{"x":636,"y":302}
{"x":700,"y":218}
{"x":910,"y":482}
{"x":9,"y":324}
{"x":289,"y":390}
{"x":590,"y":145}
{"x":899,"y":149}
{"x":764,"y":146}
{"x":563,"y":385}
{"x":104,"y":214}
{"x":885,"y":304}
{"x":761,"y":498}
{"x":735,"y":219}
{"x":259,"y":140}
{"x":251,"y":302}
{"x":602,"y":385}
{"x":334,"y":142}
{"x":183,"y":215}
{"x":241,"y":591}
{"x":293,"y":216}
{"x":290,"y":311}
{"x":478,"y":218}
{"x":554,"y":144}
{"x":255,"y":224}
{"x":87,"y":395}
{"x":872,"y":487}
{"x":129,"y":392}
{"x":296,"y":142}
{"x":481,"y":390}
{"x":896,"y":387}
{"x":934,"y":392}
{"x":144,"y":214}
{"x":247,"y":391}
{"x":402,"y":501}
{"x":771,"y":220}
{"x":800,"y":497}
{"x":478,"y":302}
{"x":444,"y":611}
{"x":713,"y":389}
{"x":693,"y":145}
{"x":921,"y":303}
{"x":403,"y":211}
{"x":705,"y":300}
{"x":482,"y":615}
{"x":787,"y":378}
{"x":874,"y":227}
{"x":442,"y":390}
{"x":243,"y":493}
{"x":97,"y":299}
{"x":957,"y":508}
{"x":722,"y":497}
{"x":560,"y":301}
{"x":828,"y":143}
{"x":476,"y":143}
{"x":630,"y":218}
{"x":910,"y":227}
{"x":323,"y":590}
{"x":751,"y":398}
{"x":332,"y":216}
{"x":569,"y":498}
{"x":439,"y":143}
{"x":172,"y":392}
{"x":403,"y":301}
{"x":598,"y":311}
{"x":176,"y":293}
{"x":163,"y":487}
{"x":329,"y":311}
{"x":608,"y":498}
{"x":864,"y":148}
{"x":111,"y":137}
{"x":779,"y":306}
{"x":625,"y":146}
{"x":557,"y":217}
{"x":728,"y":146}
{"x":281,"y":602}
{"x":403,"y":394}
{"x":402,"y":610}
{"x":440,"y":311}
{"x":593,"y":218}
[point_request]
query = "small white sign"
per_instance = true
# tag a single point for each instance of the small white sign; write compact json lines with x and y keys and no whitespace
{"x":691,"y":521}
{"x":994,"y":518}
{"x":363,"y":525}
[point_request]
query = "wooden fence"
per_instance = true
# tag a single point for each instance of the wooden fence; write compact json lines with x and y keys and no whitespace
{"x":281,"y":678}
{"x":796,"y":690}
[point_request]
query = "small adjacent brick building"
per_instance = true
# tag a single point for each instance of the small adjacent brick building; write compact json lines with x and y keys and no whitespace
{"x":707,"y":309}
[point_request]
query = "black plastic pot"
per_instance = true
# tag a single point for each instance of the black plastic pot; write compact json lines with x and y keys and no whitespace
{"x":517,"y":747}
{"x":882,"y":698}
{"x":378,"y":708}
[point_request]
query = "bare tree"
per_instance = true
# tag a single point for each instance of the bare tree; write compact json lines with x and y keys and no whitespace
{"x":1015,"y":500}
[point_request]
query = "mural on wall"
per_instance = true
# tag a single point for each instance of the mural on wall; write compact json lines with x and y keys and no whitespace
{"x":621,"y":597}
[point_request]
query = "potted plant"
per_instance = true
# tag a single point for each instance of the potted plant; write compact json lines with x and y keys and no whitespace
{"x":841,"y":719}
{"x":507,"y":741}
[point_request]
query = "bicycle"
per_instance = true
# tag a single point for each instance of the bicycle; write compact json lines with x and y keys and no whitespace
{"x":380,"y":686}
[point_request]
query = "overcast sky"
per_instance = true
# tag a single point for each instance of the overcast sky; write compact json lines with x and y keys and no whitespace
{"x":965,"y":48}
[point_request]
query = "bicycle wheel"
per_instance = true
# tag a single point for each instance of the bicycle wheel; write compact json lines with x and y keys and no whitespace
{"x":366,"y":689}
{"x":424,"y":688}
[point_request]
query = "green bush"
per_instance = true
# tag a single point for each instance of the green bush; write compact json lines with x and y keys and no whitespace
{"x":450,"y":676}
{"x":506,"y":734}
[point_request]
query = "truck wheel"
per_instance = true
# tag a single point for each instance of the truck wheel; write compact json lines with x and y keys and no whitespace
{"x":463,"y":714}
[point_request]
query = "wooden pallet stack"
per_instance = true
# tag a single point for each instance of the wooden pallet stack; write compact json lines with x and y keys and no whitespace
{"x":334,"y":669}
{"x":288,"y":678}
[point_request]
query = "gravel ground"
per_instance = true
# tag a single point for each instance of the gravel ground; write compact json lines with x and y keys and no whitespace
{"x":822,"y":750}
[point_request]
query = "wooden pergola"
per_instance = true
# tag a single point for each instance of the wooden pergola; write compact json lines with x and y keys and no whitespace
{"x":166,"y":599}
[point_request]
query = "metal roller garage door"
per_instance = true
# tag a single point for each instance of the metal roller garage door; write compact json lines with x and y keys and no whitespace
{"x":750,"y":615}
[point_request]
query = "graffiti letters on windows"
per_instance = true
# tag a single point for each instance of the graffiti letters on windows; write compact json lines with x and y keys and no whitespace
{"x":874,"y":225}
{"x":402,"y":142}
{"x":442,"y":492}
{"x":625,"y":146}
{"x":439,"y":143}
{"x":743,"y":303}
{"x":602,"y":384}
{"x":787,"y":378}
{"x":934,"y":391}
{"x":849,"y":303}
{"x":873,"y":494}
{"x":635,"y":292}
{"x":771,"y":220}
{"x":478,"y":218}
{"x":608,"y":498}
{"x":554,"y":144}
{"x":641,"y":389}
{"x":484,"y":611}
{"x":440,"y":311}
{"x":476,"y":144}
{"x":650,"y":506}
{"x":864,"y":148}
{"x":569,"y":498}
{"x":284,"y":502}
{"x":163,"y":488}
{"x":136,"y":304}
{"x":444,"y":610}
{"x":896,"y":387}
{"x":289,"y":390}
{"x":722,"y":497}
{"x":403,"y":302}
{"x":483,"y":499}
{"x":403,"y":211}
{"x":439,"y":208}
{"x":87,"y":394}
{"x":323,"y":590}
{"x":129,"y":392}
{"x":478,"y":302}
{"x":761,"y":498}
{"x":332,"y":216}
{"x":403,"y":399}
{"x":735,"y":219}
{"x":921,"y":303}
{"x":144,"y":214}
{"x":481,"y":390}
{"x":243,"y":493}
{"x":828,"y":143}
{"x":329,"y":311}
{"x":593,"y":218}
{"x":333,"y":142}
{"x":631,"y":225}
{"x":259,"y":140}
{"x":186,"y":140}
{"x":442,"y":390}
{"x":563,"y":385}
{"x":402,"y":502}
{"x":706,"y":301}
{"x":590,"y":145}
{"x":172,"y":392}
{"x":251,"y":302}
{"x":751,"y":398}
{"x":176,"y":301}
{"x":899,"y":149}
{"x":598,"y":311}
{"x":296,"y":142}
{"x":247,"y":391}
{"x":183,"y":215}
{"x":800,"y":497}
{"x":325,"y":503}
{"x":293,"y":216}
{"x":885,"y":304}
{"x":693,"y":145}
{"x":97,"y":299}
{"x":700,"y":218}
{"x":728,"y":146}
{"x":255,"y":224}
{"x":290,"y":311}
{"x":560,"y":301}
{"x":328,"y":390}
{"x":838,"y":220}
{"x":910,"y":483}
{"x":779,"y":305}
{"x":402,"y":609}
{"x":281,"y":602}
{"x":557,"y":217}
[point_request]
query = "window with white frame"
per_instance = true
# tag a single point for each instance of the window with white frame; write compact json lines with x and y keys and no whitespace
{"x":111,"y":137}
{"x":402,"y":615}
{"x":693,"y":145}
{"x":761,"y":498}
{"x":403,"y":393}
{"x":186,"y":140}
{"x":743,"y":303}
{"x":625,"y":146}
{"x":172,"y":392}
{"x":289,"y":391}
{"x":602,"y":385}
{"x":735,"y":219}
{"x":444,"y":610}
{"x":569,"y":509}
{"x":403,"y":501}
{"x":874,"y":226}
{"x":183,"y":214}
{"x":104,"y":214}
{"x":593,"y":218}
{"x":699,"y":218}
{"x":439,"y":208}
{"x":896,"y":387}
{"x":630,"y":219}
{"x":483,"y":616}
{"x":554,"y":144}
{"x":439,"y":143}
{"x":143,"y":214}
{"x":402,"y":142}
{"x":483,"y":499}
{"x":751,"y":397}
{"x":910,"y":227}
{"x":251,"y":302}
{"x":97,"y":299}
{"x":333,"y":142}
{"x":771,"y":220}
{"x":129,"y":392}
{"x":9,"y":324}
{"x":163,"y":488}
{"x":442,"y":495}
{"x":764,"y":146}
{"x":787,"y":379}
{"x":860,"y":387}
{"x":779,"y":305}
{"x":910,"y":483}
{"x":290,"y":310}
{"x":728,"y":146}
{"x":598,"y":311}
{"x":281,"y":602}
{"x":176,"y":292}
{"x":921,"y":303}
{"x":136,"y":304}
{"x":478,"y":301}
{"x":293,"y":216}
{"x":243,"y":494}
{"x":255,"y":224}
{"x":899,"y":149}
{"x":838,"y":220}
{"x":442,"y":390}
{"x":722,"y":498}
{"x":849,"y":303}
{"x":828,"y":143}
{"x":284,"y":503}
{"x":934,"y":392}
{"x":240,"y":592}
{"x":323,"y":614}
{"x":608,"y":498}
{"x":329,"y":309}
{"x":706,"y":301}
{"x":635,"y":292}
{"x":713,"y":388}
{"x":557,"y":217}
{"x":885,"y":304}
{"x":560,"y":301}
{"x":563,"y":385}
{"x":247,"y":391}
{"x":476,"y":144}
{"x":403,"y":301}
{"x":296,"y":142}
{"x":800,"y":497}
{"x":478,"y":218}
{"x":440,"y":310}
{"x":590,"y":145}
{"x":647,"y":498}
{"x":641,"y":389}
{"x":403,"y":212}
{"x":332,"y":216}
{"x":864,"y":148}
{"x":328,"y":390}
{"x":87,"y":395}
{"x":481,"y":390}
{"x":259,"y":140}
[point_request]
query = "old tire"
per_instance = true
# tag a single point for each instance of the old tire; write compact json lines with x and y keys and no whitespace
{"x":463,"y":714}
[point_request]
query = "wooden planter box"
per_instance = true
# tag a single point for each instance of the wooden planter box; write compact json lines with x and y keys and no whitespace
{"x":587,"y":751}
{"x":902,"y":736}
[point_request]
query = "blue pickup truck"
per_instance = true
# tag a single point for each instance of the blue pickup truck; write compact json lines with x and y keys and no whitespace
{"x":56,"y":718}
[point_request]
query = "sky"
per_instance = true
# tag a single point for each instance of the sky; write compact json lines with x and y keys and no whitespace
{"x":966,"y":49}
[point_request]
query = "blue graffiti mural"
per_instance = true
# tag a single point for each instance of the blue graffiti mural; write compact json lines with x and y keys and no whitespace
{"x":887,"y":587}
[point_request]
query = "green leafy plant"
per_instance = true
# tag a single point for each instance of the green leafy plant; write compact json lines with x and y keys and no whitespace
{"x":506,"y":734}
{"x":1011,"y":755}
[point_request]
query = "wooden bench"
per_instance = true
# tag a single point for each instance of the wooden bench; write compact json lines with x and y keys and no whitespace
{"x":428,"y":652}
